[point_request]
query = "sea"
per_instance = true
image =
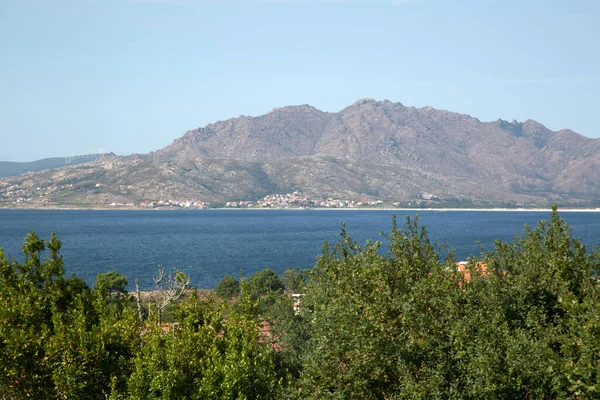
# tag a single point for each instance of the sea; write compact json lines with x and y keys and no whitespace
{"x":209,"y":244}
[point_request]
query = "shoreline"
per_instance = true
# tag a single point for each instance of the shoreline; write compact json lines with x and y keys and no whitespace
{"x":436,"y":209}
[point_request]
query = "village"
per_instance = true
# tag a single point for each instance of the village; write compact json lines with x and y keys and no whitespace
{"x":46,"y":197}
{"x":299,"y":200}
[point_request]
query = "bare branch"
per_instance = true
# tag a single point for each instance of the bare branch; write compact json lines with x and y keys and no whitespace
{"x":139,"y":300}
{"x":161,"y":275}
{"x":170,"y":289}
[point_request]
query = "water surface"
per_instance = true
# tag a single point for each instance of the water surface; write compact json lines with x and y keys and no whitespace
{"x":209,"y":244}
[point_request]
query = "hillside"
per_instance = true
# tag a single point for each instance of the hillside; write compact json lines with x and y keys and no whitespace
{"x":369,"y":150}
{"x":11,"y":168}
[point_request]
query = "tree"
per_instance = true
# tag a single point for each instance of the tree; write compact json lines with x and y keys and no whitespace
{"x":402,"y":324}
{"x":264,"y":282}
{"x":228,"y":287}
{"x":169,"y":288}
{"x":207,"y":357}
{"x":30,"y":293}
{"x":92,"y":355}
{"x":112,"y":281}
{"x":58,"y":338}
{"x":531,"y":322}
{"x":294,"y":280}
{"x":375,"y":319}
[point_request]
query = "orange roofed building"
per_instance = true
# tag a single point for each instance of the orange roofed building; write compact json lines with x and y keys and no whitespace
{"x":479,"y":266}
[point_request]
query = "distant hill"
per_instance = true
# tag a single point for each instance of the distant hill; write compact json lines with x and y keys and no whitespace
{"x":10,"y":168}
{"x":369,"y":150}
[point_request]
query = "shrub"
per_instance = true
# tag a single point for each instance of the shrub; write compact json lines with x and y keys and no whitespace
{"x":228,"y":287}
{"x":294,"y":280}
{"x":265,"y":281}
{"x":112,"y":281}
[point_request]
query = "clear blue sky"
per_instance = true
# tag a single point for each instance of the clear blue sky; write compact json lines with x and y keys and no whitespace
{"x":132,"y":75}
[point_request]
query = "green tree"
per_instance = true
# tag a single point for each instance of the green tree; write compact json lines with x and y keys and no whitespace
{"x":531,"y":324}
{"x":112,"y":281}
{"x":376,"y":324}
{"x":206,"y":357}
{"x":57,"y":337}
{"x":294,"y":280}
{"x":228,"y":287}
{"x":264,"y":282}
{"x":523,"y":323}
{"x":30,"y":293}
{"x":91,"y":356}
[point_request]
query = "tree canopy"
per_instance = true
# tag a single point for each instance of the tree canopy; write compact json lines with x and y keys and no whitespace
{"x":112,"y":281}
{"x":405,"y":324}
{"x":264,"y":282}
{"x":228,"y":287}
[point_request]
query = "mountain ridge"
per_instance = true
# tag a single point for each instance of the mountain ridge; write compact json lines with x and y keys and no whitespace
{"x":369,"y":149}
{"x":13,"y":168}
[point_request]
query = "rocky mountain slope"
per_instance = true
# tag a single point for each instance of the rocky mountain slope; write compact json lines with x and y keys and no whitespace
{"x":369,"y":150}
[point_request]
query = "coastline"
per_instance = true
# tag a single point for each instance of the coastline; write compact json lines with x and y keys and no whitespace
{"x":436,"y":209}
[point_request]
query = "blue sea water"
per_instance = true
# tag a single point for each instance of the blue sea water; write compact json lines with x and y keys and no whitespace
{"x":209,"y":244}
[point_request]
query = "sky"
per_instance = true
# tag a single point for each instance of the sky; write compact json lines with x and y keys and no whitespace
{"x":130,"y":76}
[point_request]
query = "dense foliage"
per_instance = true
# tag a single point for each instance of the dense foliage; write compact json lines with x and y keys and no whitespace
{"x":294,"y":280}
{"x":113,"y":281}
{"x":521,"y":322}
{"x":58,"y":338}
{"x":228,"y":287}
{"x":264,"y":282}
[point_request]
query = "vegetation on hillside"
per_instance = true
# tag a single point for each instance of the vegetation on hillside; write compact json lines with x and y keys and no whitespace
{"x":521,"y":322}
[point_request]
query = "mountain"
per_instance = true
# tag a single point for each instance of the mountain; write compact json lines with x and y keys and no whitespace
{"x":11,"y":168}
{"x":369,"y":150}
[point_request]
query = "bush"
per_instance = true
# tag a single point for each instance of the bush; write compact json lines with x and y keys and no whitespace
{"x":265,"y":281}
{"x":523,"y":323}
{"x":228,"y":287}
{"x":294,"y":280}
{"x":58,"y":338}
{"x":112,"y":281}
